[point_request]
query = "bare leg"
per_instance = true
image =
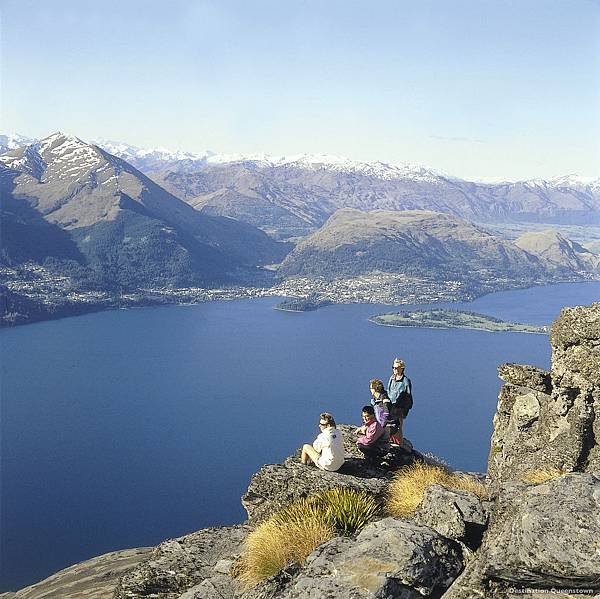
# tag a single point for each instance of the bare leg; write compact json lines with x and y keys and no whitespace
{"x":309,"y":454}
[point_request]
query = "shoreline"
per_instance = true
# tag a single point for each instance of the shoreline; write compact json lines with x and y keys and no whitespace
{"x":223,"y":294}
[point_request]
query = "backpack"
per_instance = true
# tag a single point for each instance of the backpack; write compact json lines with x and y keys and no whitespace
{"x":405,"y":402}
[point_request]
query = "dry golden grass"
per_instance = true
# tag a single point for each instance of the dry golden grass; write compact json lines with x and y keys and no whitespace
{"x":464,"y":482}
{"x":407,"y":488}
{"x":542,"y":475}
{"x":292,"y":533}
{"x":272,"y":546}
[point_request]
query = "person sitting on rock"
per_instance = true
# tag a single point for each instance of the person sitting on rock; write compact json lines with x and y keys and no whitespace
{"x":327,"y":450}
{"x":373,"y":441}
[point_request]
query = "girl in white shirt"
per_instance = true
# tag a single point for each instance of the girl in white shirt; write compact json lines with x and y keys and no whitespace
{"x":327,"y":450}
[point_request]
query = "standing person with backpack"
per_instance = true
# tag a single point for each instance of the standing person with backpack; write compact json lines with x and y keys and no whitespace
{"x":400,"y":394}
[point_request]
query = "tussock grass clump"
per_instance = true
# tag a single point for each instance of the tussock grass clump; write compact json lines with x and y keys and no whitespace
{"x":292,"y":533}
{"x":408,"y":486}
{"x":347,"y":510}
{"x":272,"y":546}
{"x":542,"y":475}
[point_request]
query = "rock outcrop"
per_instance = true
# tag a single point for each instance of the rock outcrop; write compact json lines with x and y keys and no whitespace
{"x":540,"y":537}
{"x":545,"y":536}
{"x":551,"y":420}
{"x":198,"y":561}
{"x":455,"y":514}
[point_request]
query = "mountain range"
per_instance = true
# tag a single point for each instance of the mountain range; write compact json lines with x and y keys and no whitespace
{"x":289,"y":197}
{"x":292,"y":196}
{"x":119,"y":218}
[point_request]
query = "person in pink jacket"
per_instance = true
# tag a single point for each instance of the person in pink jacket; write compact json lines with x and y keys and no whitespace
{"x":372,"y":441}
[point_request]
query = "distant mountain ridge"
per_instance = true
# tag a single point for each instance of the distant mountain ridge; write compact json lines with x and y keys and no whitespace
{"x":12,"y":141}
{"x":295,"y":198}
{"x":292,"y":196}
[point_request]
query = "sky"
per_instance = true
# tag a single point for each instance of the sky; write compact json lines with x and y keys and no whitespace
{"x":480,"y":89}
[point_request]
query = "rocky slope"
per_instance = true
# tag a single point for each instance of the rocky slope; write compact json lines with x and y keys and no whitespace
{"x":529,"y":538}
{"x":554,"y":249}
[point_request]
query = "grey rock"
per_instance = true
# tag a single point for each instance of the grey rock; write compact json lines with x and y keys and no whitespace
{"x":540,"y":537}
{"x":526,"y":376}
{"x":388,"y":558}
{"x":575,"y":340}
{"x":94,"y":578}
{"x":455,"y":514}
{"x":550,"y":535}
{"x":544,"y":536}
{"x":194,"y":561}
{"x":548,"y":420}
{"x":220,"y":586}
{"x":276,"y":485}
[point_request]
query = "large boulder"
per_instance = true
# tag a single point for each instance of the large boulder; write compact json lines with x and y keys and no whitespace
{"x":388,"y":558}
{"x":540,"y":537}
{"x":454,"y":514}
{"x":549,"y":534}
{"x":200,"y":560}
{"x":551,"y":420}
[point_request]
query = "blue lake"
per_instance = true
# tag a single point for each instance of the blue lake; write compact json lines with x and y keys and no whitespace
{"x":123,"y":428}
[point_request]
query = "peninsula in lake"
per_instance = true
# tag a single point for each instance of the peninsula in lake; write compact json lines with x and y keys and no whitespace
{"x":452,"y":319}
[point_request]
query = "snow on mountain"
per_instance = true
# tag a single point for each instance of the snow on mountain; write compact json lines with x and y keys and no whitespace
{"x":576,"y":181}
{"x":328,"y":162}
{"x":12,"y":141}
{"x":158,"y":159}
{"x":152,"y":159}
{"x":58,"y":156}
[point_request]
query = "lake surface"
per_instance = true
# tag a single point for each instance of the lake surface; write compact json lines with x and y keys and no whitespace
{"x":121,"y":429}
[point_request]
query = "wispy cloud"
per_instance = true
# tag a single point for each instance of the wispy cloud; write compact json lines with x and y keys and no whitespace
{"x":458,"y":139}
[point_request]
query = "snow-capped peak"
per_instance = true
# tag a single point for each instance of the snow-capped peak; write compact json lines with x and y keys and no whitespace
{"x":12,"y":141}
{"x":60,"y":142}
{"x":574,"y":180}
{"x":127,"y":151}
{"x":375,"y":169}
{"x":58,"y":155}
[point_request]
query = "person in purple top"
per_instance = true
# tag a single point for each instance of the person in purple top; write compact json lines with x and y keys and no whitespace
{"x":381,"y":402}
{"x":372,"y":441}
